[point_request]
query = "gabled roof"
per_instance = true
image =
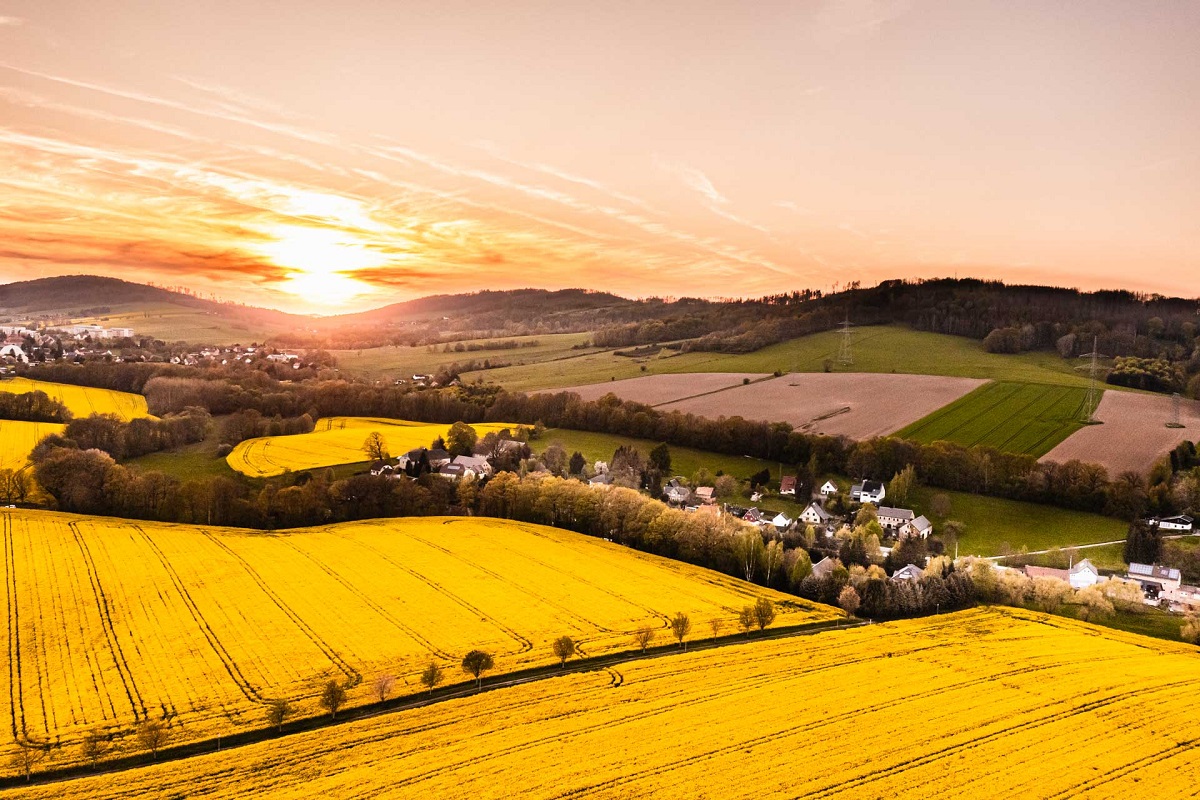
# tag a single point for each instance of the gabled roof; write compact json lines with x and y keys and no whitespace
{"x":908,"y":573}
{"x":1047,"y":572}
{"x":922,"y":523}
{"x":1086,"y":564}
{"x":823,"y":567}
{"x":788,"y":484}
{"x":896,"y":513}
{"x":1179,"y":519}
{"x":781,"y":521}
{"x":872,"y":487}
{"x":704,"y":492}
{"x":821,"y":513}
{"x":1154,"y":571}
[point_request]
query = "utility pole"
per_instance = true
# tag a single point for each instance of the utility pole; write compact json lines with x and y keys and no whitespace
{"x":1092,"y":402}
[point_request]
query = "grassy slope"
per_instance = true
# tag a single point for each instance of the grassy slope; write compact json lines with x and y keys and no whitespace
{"x":402,"y":362}
{"x":877,"y":349}
{"x":178,"y":323}
{"x":685,"y":461}
{"x":1016,"y":417}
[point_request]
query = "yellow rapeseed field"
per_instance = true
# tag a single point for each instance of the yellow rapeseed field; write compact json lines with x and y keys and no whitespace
{"x":112,"y":622}
{"x":83,"y":400}
{"x":978,"y":704}
{"x":17,"y":440}
{"x":337,"y":440}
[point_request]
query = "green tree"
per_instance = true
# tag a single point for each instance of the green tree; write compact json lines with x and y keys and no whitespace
{"x":564,"y":648}
{"x":681,"y":626}
{"x":577,"y":463}
{"x":333,"y":697}
{"x":1143,"y":543}
{"x":277,"y":712}
{"x":660,"y":458}
{"x":801,"y":568}
{"x":901,"y":485}
{"x":431,"y":676}
{"x":375,"y":446}
{"x":476,"y":663}
{"x":461,"y":439}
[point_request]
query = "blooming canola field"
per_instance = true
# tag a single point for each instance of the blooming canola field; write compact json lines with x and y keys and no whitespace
{"x":336,"y":440}
{"x":983,"y":703}
{"x":83,"y":401}
{"x":17,"y":440}
{"x":112,"y":622}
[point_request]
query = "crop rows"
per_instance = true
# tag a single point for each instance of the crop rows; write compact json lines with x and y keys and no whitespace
{"x":983,"y":703}
{"x":1013,"y":417}
{"x":83,"y":401}
{"x":114,"y":622}
{"x":336,"y":440}
{"x":17,"y":440}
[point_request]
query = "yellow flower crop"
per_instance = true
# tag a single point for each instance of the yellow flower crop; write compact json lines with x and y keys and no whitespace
{"x":114,"y":621}
{"x":17,"y":440}
{"x":979,"y":704}
{"x":337,"y":440}
{"x":83,"y":400}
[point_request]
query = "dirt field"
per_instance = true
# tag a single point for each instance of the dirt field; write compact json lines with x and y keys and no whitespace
{"x":858,"y":405}
{"x":658,"y":389}
{"x":1134,"y":433}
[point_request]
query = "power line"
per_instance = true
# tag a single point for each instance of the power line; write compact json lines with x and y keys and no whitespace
{"x":1092,"y":401}
{"x":846,"y":354}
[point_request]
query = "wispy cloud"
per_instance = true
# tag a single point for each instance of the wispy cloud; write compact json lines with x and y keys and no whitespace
{"x":11,"y":22}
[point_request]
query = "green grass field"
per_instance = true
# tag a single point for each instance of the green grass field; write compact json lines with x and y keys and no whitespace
{"x":685,"y":461}
{"x":173,"y":323}
{"x":402,"y":362}
{"x":999,"y":527}
{"x":1015,"y":417}
{"x":884,"y":348}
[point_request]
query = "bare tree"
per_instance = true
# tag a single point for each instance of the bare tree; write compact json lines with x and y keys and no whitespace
{"x":26,"y":758}
{"x":644,"y":636}
{"x":764,"y":613}
{"x":375,"y":446}
{"x":681,"y":626}
{"x":746,"y":620}
{"x":152,"y":735}
{"x":716,"y":624}
{"x":383,"y":687}
{"x":432,"y":676}
{"x":333,"y":697}
{"x":477,"y":662}
{"x":95,"y":745}
{"x":277,"y":712}
{"x":849,"y":600}
{"x":564,"y":648}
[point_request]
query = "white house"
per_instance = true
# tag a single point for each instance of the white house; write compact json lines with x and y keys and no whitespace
{"x":815,"y":515}
{"x":829,"y":489}
{"x":1182,"y":523}
{"x":908,"y":573}
{"x":1154,"y":579}
{"x":921,"y":526}
{"x":473,"y":466}
{"x":15,"y":352}
{"x":704,"y":494}
{"x":892,"y":519}
{"x":868,"y":492}
{"x":787,"y":486}
{"x":781,"y":522}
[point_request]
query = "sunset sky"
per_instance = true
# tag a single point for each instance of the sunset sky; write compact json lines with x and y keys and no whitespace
{"x":328,"y":156}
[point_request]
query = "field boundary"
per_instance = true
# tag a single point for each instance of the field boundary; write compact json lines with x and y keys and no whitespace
{"x":411,"y":702}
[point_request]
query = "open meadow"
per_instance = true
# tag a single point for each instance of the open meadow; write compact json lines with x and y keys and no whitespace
{"x":112,"y":622}
{"x":1015,"y":417}
{"x":83,"y":401}
{"x":336,"y":440}
{"x":837,"y":404}
{"x":1133,"y":434}
{"x":982,"y":703}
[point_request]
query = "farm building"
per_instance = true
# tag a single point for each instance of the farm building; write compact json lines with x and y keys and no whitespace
{"x":781,"y":522}
{"x":1155,"y":579}
{"x":704,"y":494}
{"x":787,"y":486}
{"x":868,"y":492}
{"x":824,"y":568}
{"x":1181,"y":523}
{"x":1079,"y":576}
{"x":921,"y":526}
{"x":892,"y":519}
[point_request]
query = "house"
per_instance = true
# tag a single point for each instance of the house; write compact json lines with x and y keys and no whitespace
{"x":473,"y":466}
{"x":1185,"y":599}
{"x":815,"y":515}
{"x":908,"y":573}
{"x":892,"y":519}
{"x":1078,"y":576}
{"x":921,"y":526}
{"x":787,"y":486}
{"x":829,"y":489}
{"x":704,"y":494}
{"x":781,"y":522}
{"x":382,"y":468}
{"x":14,"y":352}
{"x":437,"y":458}
{"x":452,"y":471}
{"x":1154,"y":579}
{"x":824,"y":568}
{"x":676,"y":493}
{"x":1182,"y":523}
{"x":868,"y":492}
{"x":753,"y":516}
{"x":414,"y":462}
{"x":602,"y":479}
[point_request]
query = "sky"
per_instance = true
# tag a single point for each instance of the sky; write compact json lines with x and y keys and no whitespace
{"x":332,"y":156}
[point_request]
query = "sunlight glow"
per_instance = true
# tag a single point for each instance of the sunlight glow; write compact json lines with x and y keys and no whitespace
{"x":322,"y":262}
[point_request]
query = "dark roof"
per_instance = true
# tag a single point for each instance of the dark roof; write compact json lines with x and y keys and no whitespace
{"x":871,"y":486}
{"x":788,"y":483}
{"x":436,"y":455}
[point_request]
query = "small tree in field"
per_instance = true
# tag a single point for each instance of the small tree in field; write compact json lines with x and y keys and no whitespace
{"x":461,"y":439}
{"x":716,"y":625}
{"x":644,"y":636}
{"x":25,"y":759}
{"x":1190,"y":631}
{"x":564,"y":648}
{"x":375,"y":447}
{"x":681,"y":626}
{"x":746,"y":620}
{"x":277,"y":712}
{"x":383,"y":687}
{"x":333,"y":697}
{"x":476,"y":663}
{"x":849,"y":600}
{"x":764,"y":613}
{"x":94,"y":746}
{"x":152,"y":735}
{"x":431,"y":676}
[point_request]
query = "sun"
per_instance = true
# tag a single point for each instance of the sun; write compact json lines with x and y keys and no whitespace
{"x":321,"y":262}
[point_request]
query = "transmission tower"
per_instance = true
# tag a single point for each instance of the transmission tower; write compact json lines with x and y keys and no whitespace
{"x":1092,"y":402}
{"x":1176,"y":411}
{"x":846,"y":354}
